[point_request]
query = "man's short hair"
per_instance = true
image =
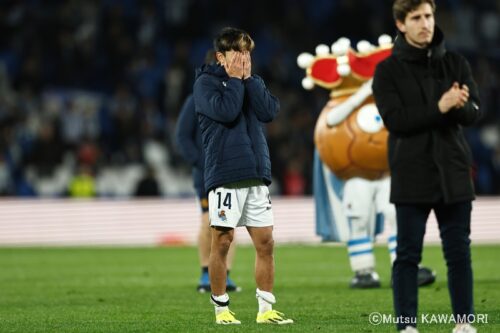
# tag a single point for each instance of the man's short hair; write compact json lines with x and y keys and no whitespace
{"x":401,"y":8}
{"x":233,"y":39}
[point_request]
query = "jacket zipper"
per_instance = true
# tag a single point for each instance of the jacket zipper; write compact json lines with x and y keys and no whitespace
{"x":435,"y":139}
{"x":429,"y":57}
{"x":396,"y":149}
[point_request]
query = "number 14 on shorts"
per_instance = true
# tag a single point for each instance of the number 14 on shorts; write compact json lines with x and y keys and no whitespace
{"x":220,"y":204}
{"x":226,"y":202}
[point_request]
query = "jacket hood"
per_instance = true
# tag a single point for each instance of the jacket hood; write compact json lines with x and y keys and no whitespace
{"x":405,"y":51}
{"x":211,"y":69}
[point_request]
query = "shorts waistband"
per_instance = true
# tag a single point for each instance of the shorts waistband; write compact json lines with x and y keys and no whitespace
{"x":244,"y":183}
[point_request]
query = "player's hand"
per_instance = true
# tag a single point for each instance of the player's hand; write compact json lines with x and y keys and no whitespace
{"x":234,"y":68}
{"x":247,"y":65}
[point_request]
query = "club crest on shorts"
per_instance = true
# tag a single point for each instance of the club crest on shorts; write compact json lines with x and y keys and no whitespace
{"x":222,"y":215}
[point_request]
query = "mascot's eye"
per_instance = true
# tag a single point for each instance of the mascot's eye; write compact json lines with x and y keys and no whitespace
{"x":369,"y":120}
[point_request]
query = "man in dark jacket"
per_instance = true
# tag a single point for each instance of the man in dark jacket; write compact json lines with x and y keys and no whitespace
{"x":425,"y":95}
{"x":232,"y":105}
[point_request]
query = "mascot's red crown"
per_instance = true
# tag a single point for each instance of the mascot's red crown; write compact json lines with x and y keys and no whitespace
{"x":343,"y":70}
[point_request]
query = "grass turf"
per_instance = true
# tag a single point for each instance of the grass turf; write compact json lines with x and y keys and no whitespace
{"x":153,"y":290}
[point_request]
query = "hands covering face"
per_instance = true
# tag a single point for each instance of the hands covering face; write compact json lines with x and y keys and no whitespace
{"x":238,"y":64}
{"x":455,"y":97}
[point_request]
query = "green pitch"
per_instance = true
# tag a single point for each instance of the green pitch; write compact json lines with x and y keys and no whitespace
{"x":153,"y":290}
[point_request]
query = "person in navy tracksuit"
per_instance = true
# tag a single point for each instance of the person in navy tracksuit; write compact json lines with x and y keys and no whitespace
{"x":232,"y":107}
{"x":188,"y":139}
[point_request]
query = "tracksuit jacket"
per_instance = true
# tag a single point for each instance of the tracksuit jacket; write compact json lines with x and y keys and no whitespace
{"x":188,"y":140}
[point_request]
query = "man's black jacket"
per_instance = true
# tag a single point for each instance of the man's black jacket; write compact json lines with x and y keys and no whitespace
{"x":429,"y":158}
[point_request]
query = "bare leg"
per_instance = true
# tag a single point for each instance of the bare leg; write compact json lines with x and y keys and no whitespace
{"x":264,"y":260}
{"x":231,"y":254}
{"x":217,"y":268}
{"x":204,"y":240}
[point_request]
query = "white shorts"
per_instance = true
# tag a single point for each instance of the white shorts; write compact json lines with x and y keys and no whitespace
{"x":249,"y":207}
{"x":364,"y":197}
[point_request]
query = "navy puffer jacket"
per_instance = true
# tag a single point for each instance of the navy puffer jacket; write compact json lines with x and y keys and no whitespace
{"x":231,"y":113}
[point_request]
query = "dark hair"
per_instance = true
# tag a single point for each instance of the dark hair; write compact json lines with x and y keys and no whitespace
{"x":401,"y":8}
{"x":210,"y":57}
{"x":233,"y":39}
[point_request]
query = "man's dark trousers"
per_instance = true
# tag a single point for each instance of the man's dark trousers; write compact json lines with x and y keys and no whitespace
{"x":454,"y":227}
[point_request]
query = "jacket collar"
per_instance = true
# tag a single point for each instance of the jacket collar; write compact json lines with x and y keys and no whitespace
{"x":211,"y":69}
{"x":405,"y":51}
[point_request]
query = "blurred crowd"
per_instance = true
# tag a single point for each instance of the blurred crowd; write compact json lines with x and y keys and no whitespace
{"x":90,"y":90}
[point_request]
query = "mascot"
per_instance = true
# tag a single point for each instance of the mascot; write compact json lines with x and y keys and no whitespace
{"x":351,"y":173}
